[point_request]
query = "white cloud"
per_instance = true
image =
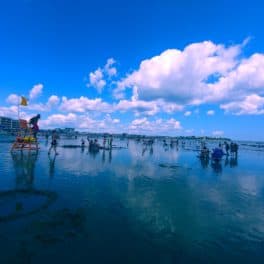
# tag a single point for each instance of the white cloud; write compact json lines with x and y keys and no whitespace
{"x":96,"y":80}
{"x":139,"y":122}
{"x":210,"y":112}
{"x":245,"y":79}
{"x":40,"y":107}
{"x":150,"y":108}
{"x":139,"y":107}
{"x":99,"y":77}
{"x":181,"y":76}
{"x":11,"y":111}
{"x":218,"y":133}
{"x":109,"y":69}
{"x":154,"y":127}
{"x":82,"y":122}
{"x":13,"y":99}
{"x":174,"y":123}
{"x":84,"y":104}
{"x":57,"y":120}
{"x":201,"y":73}
{"x":53,"y":101}
{"x":35,"y":91}
{"x":187,"y":113}
{"x":251,"y":105}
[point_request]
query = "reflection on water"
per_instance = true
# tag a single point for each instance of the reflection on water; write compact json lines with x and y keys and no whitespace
{"x":52,"y":164}
{"x":138,"y":202}
{"x":24,"y":165}
{"x":24,"y":200}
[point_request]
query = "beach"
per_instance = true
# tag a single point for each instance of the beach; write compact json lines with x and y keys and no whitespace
{"x":131,"y":204}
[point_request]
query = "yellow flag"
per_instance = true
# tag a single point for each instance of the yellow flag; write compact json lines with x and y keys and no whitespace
{"x":24,"y":101}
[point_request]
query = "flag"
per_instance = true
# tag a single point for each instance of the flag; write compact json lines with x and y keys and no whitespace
{"x":23,"y":101}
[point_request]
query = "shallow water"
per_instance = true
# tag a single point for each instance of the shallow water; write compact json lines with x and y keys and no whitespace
{"x":131,"y":205}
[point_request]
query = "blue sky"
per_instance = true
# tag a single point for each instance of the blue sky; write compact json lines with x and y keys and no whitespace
{"x":150,"y":67}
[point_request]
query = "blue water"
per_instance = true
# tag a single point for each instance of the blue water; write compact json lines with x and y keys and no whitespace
{"x":131,"y":205}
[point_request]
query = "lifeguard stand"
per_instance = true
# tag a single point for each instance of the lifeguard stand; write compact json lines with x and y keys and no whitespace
{"x":25,"y":139}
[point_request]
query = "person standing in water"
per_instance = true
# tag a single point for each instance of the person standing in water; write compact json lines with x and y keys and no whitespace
{"x":227,"y":147}
{"x":54,"y":143}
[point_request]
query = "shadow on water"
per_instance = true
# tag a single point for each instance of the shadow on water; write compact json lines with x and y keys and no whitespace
{"x":24,"y":200}
{"x":52,"y":165}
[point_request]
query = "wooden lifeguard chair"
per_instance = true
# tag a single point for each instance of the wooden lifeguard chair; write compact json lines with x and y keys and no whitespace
{"x":25,"y":139}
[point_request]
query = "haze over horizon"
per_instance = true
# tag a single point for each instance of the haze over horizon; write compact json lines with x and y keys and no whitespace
{"x":150,"y":67}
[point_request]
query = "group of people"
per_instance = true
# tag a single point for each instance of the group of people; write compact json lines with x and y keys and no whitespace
{"x":218,"y":153}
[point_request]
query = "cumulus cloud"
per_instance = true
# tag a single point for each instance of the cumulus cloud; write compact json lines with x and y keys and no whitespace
{"x":251,"y":105}
{"x":245,"y":79}
{"x":59,"y":120}
{"x":109,"y":68}
{"x":35,"y":91}
{"x":210,"y":112}
{"x":218,"y":133}
{"x":82,"y":122}
{"x":13,"y":99}
{"x":96,"y":80}
{"x":182,"y":76}
{"x":40,"y":107}
{"x":157,"y":126}
{"x":11,"y":111}
{"x":138,"y":107}
{"x":150,"y":108}
{"x":84,"y":104}
{"x":53,"y":101}
{"x":201,"y":73}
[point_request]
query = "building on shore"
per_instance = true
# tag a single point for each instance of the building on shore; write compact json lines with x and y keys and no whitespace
{"x":9,"y":124}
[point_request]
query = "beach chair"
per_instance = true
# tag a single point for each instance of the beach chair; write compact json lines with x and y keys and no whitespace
{"x":25,"y":139}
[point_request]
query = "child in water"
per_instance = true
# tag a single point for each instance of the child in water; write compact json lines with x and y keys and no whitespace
{"x":53,"y":143}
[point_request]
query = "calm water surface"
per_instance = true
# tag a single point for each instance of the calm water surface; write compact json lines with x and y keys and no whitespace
{"x":131,"y":205}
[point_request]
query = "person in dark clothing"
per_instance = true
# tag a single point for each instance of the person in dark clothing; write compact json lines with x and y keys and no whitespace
{"x":54,"y":143}
{"x":33,"y":122}
{"x":227,"y":147}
